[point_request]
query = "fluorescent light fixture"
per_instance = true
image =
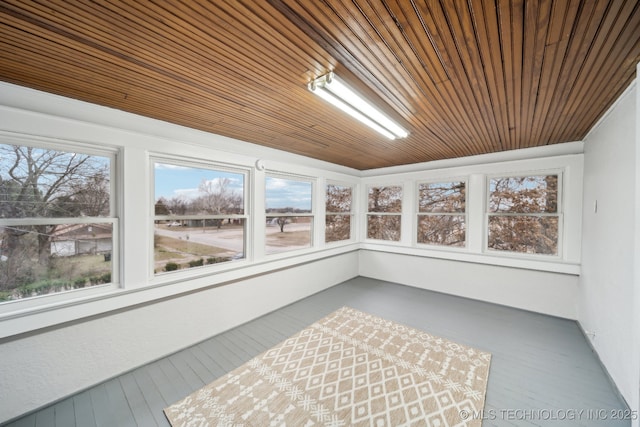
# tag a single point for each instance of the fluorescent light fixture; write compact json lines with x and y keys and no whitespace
{"x":334,"y":91}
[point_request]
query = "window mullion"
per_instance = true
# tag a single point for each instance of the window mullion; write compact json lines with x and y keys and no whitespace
{"x":256,"y":240}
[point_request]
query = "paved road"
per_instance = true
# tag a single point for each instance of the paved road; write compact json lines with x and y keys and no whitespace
{"x":229,"y":239}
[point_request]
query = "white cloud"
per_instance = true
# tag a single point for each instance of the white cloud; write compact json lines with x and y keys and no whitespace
{"x":277,"y":183}
{"x":186,"y":193}
{"x":165,"y":166}
{"x":282,"y":193}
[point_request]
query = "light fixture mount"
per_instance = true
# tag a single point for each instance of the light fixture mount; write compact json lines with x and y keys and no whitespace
{"x":331,"y":88}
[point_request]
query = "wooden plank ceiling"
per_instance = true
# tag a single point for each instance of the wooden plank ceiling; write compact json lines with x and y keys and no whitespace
{"x":464,"y":77}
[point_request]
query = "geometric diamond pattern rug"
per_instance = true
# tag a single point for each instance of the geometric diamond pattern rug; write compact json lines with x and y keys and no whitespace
{"x":348,"y":369}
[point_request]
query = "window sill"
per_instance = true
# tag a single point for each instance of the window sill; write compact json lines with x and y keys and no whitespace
{"x":552,"y":266}
{"x":18,"y":318}
{"x":59,"y":310}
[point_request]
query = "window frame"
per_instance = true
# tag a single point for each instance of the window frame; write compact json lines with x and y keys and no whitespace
{"x":465,"y":214}
{"x":313,"y":214}
{"x":114,"y":154}
{"x":350,"y":213}
{"x":399,"y":214}
{"x":560,"y":214}
{"x":181,"y":161}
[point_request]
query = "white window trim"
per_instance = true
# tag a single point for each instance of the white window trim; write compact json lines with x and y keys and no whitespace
{"x":559,"y":215}
{"x":188,"y":162}
{"x":71,"y":146}
{"x":351,"y":213}
{"x":418,"y":214}
{"x":404,"y":224}
{"x":49,"y":119}
{"x":315,"y":225}
{"x":134,"y":144}
{"x":568,"y":260}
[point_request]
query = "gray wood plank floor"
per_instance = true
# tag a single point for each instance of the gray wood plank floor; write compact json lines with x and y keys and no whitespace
{"x":542,"y":367}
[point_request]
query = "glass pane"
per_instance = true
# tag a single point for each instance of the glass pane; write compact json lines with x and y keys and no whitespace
{"x":338,"y":198}
{"x":441,"y":197}
{"x":44,"y":259}
{"x":383,"y":227}
{"x":186,"y":243}
{"x":43,"y":183}
{"x":337,"y":227}
{"x":288,"y":233}
{"x":446,"y":230}
{"x":385,"y":199}
{"x":524,"y":194}
{"x":524,"y":234}
{"x":181,"y":190}
{"x":287,"y":196}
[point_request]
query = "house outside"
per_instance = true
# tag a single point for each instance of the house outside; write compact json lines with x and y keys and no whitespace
{"x":82,"y":239}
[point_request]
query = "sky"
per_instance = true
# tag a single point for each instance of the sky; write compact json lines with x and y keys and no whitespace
{"x":287,"y":193}
{"x":50,"y":165}
{"x":180,"y":181}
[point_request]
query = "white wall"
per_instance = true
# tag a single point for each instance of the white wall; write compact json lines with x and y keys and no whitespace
{"x":540,"y":291}
{"x":636,"y":281}
{"x":607,"y":300}
{"x":49,"y":365}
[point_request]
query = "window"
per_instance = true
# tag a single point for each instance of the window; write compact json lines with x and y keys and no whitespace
{"x":384,"y":212}
{"x":57,"y":221}
{"x":441,"y":213}
{"x":338,"y":215}
{"x":200,"y":216}
{"x":289,"y":214}
{"x":523,"y":214}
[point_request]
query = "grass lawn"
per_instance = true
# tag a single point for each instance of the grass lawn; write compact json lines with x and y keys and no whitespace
{"x":73,"y":267}
{"x":289,"y":238}
{"x":167,"y":245}
{"x":86,"y":262}
{"x":181,"y":252}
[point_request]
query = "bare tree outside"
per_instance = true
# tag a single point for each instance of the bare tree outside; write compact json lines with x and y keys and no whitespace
{"x":338,"y":213}
{"x":384,"y":217}
{"x":162,"y":207}
{"x":523,"y":214}
{"x":282,"y":221}
{"x":217,"y":198}
{"x":441,"y":213}
{"x":36,"y":184}
{"x":177,"y":205}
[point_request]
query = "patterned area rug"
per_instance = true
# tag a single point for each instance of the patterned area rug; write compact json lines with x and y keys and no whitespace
{"x":348,"y":369}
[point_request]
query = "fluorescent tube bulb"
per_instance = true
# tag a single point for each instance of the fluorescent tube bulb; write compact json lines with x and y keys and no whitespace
{"x":334,"y":91}
{"x":343,"y":92}
{"x":330,"y":98}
